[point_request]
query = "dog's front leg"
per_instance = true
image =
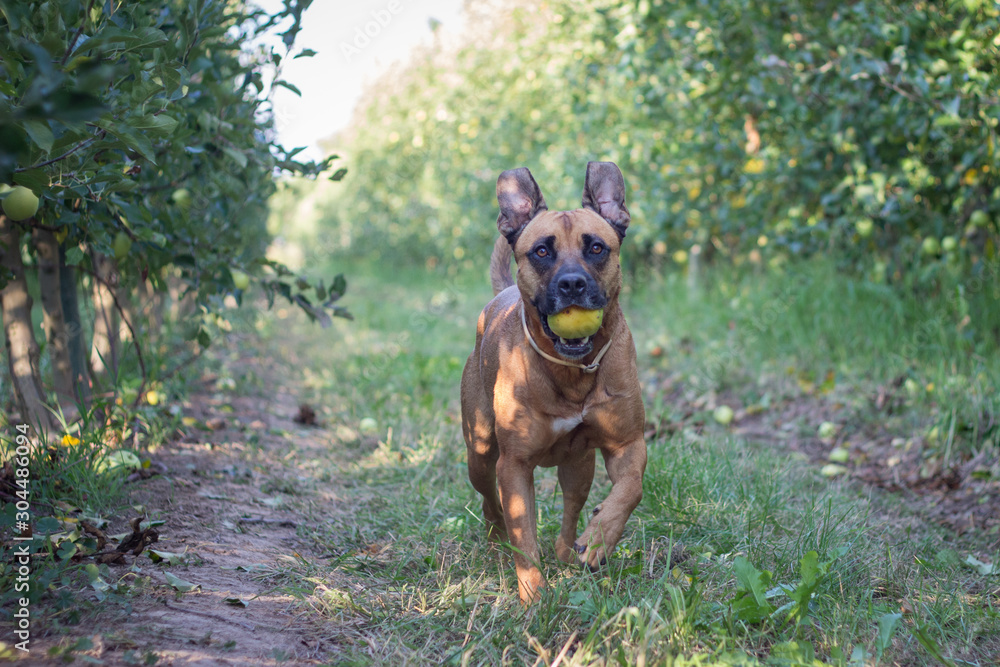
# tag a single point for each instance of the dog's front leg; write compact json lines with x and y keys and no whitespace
{"x":625,"y":466}
{"x":575,"y":479}
{"x":517,"y":495}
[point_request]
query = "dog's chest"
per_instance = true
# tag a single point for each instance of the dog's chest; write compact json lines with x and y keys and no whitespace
{"x":563,"y":425}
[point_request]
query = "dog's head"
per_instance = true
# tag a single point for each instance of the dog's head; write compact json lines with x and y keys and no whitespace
{"x":565,"y":258}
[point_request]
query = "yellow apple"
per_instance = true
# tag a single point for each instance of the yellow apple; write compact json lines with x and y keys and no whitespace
{"x":576,"y":322}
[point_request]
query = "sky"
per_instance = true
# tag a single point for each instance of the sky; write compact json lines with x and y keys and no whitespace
{"x":354,"y":40}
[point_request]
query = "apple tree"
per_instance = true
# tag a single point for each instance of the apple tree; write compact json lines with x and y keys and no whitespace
{"x":145,"y":130}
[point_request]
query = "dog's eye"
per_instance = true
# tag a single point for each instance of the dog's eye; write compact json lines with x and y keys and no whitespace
{"x":597,"y":248}
{"x":542,"y":252}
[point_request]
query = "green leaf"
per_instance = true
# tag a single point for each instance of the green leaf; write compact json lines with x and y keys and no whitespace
{"x":74,"y":256}
{"x":66,"y":550}
{"x":810,"y":573}
{"x":305,"y":53}
{"x":751,"y":602}
{"x":118,"y":39}
{"x":339,"y":285}
{"x":751,"y":579}
{"x":36,"y":180}
{"x":131,"y":138}
{"x":161,"y":125}
{"x":887,"y":626}
{"x":236,"y":156}
{"x":40,"y":133}
{"x":168,"y":557}
{"x":285,"y":84}
{"x":979,"y":566}
{"x":951,"y":107}
{"x":179,"y":584}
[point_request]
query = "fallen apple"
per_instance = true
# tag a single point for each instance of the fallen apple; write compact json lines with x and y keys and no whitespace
{"x":723,"y":414}
{"x":576,"y":322}
{"x":826,"y":430}
{"x":839,"y":455}
{"x":832,"y":470}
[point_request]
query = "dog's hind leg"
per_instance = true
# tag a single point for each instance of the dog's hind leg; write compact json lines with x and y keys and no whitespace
{"x":575,"y":479}
{"x":481,"y":444}
{"x":483,"y":475}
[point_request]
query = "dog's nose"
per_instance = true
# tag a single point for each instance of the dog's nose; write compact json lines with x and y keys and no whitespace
{"x":572,"y":284}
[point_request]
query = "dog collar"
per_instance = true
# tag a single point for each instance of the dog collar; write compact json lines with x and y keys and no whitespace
{"x":586,"y":368}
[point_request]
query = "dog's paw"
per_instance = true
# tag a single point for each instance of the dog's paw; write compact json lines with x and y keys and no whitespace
{"x":528,"y":584}
{"x":594,"y":557}
{"x":565,"y":552}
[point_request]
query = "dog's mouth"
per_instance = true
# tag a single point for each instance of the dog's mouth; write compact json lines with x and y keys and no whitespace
{"x":568,"y":348}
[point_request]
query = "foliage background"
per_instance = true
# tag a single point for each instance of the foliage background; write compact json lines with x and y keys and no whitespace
{"x":756,"y":132}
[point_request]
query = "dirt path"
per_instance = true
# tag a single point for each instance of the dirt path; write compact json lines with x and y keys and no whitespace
{"x":231,"y":500}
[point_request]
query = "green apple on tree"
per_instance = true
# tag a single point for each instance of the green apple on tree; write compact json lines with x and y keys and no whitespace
{"x":122,"y":245}
{"x":240,"y":280}
{"x":20,"y":203}
{"x":182,"y":197}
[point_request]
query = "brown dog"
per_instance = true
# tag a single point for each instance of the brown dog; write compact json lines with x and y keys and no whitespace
{"x":531,"y":398}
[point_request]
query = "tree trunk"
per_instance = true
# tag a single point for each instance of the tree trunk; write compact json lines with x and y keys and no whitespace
{"x":104,"y":350}
{"x":74,"y":329}
{"x":22,"y":348}
{"x":53,"y":321}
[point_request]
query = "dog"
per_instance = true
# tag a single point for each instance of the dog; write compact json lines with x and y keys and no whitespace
{"x":531,"y":398}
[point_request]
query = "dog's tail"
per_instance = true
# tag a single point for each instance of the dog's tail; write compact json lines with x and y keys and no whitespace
{"x":500,"y":276}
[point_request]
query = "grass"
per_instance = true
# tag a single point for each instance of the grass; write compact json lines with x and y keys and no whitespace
{"x":79,"y":475}
{"x":740,"y":553}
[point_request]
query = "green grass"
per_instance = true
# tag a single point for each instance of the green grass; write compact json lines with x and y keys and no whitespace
{"x":843,"y":576}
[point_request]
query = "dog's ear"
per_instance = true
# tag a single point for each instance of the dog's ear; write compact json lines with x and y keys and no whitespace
{"x":520,"y":200}
{"x":604,"y":194}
